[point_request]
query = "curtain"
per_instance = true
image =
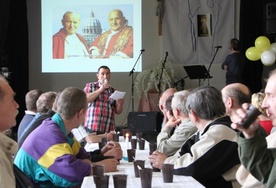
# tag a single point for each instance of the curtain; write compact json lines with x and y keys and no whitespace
{"x":14,"y":49}
{"x":193,"y":28}
{"x":4,"y":20}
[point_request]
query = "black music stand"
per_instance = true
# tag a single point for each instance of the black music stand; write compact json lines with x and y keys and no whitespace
{"x":197,"y":72}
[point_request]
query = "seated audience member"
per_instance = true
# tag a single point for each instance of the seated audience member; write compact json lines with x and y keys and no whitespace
{"x":168,"y":104}
{"x":233,"y":96}
{"x":37,"y":122}
{"x":50,"y":155}
{"x":8,"y":147}
{"x":168,"y":142}
{"x":265,"y":122}
{"x":43,"y":104}
{"x":246,"y":179}
{"x":30,"y":100}
{"x":162,"y":102}
{"x":256,"y":151}
{"x":211,"y":155}
{"x":112,"y":150}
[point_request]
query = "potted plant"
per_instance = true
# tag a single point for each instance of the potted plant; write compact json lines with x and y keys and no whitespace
{"x":148,"y":80}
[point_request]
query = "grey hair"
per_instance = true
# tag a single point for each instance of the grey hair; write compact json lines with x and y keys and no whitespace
{"x":206,"y":102}
{"x":179,"y":101}
{"x":70,"y":101}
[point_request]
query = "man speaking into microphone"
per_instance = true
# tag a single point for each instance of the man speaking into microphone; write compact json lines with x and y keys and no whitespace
{"x":100,"y":116}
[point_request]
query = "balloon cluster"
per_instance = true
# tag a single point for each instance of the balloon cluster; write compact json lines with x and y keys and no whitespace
{"x":262,"y":50}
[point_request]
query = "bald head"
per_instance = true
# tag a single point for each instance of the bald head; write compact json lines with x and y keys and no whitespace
{"x":116,"y":20}
{"x":234,"y":95}
{"x":167,"y":93}
{"x":239,"y":91}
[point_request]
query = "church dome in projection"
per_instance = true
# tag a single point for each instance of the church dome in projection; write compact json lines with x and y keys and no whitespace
{"x":91,"y":29}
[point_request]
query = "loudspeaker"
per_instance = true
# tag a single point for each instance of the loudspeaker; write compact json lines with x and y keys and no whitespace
{"x":145,"y":122}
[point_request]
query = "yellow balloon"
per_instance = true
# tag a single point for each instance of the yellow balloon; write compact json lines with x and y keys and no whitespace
{"x":262,"y":43}
{"x":253,"y":54}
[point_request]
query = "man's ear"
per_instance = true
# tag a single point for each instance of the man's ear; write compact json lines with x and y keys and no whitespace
{"x":177,"y":112}
{"x":81,"y":113}
{"x":193,"y":116}
{"x":161,"y":107}
{"x":230,"y":103}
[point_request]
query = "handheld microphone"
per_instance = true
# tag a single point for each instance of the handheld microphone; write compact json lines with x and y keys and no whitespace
{"x":108,"y":89}
{"x":218,"y":46}
{"x":252,"y":114}
{"x":142,"y":50}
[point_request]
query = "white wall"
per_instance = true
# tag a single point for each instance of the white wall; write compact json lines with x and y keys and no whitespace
{"x":151,"y":42}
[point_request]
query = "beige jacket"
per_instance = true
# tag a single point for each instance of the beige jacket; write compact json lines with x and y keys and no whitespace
{"x":168,"y":143}
{"x":8,"y":148}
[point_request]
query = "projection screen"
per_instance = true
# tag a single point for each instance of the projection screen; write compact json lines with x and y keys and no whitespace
{"x":93,"y":41}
